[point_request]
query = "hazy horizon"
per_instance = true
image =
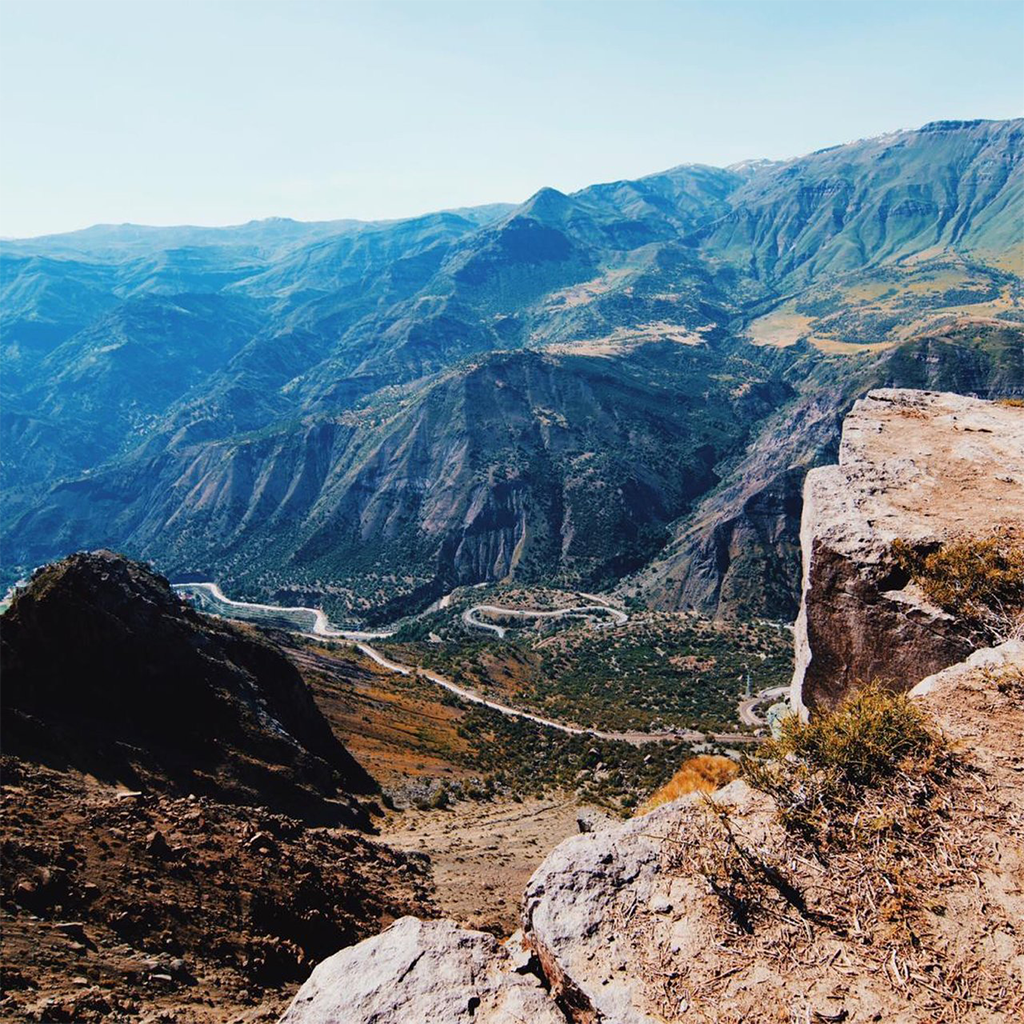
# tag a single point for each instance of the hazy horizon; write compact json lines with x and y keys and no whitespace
{"x":423,"y":213}
{"x":216,"y":114}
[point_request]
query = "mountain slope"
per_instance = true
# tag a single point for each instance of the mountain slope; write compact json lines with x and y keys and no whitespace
{"x":315,"y":383}
{"x":166,"y":780}
{"x":737,"y":555}
{"x":952,"y":184}
{"x":544,"y":467}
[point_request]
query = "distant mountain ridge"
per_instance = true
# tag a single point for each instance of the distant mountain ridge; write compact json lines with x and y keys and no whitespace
{"x":340,"y":407}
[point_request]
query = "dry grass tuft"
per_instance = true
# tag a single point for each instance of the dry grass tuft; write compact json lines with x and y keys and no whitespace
{"x":979,"y":579}
{"x":702,"y":774}
{"x":1009,"y":681}
{"x":817,"y":771}
{"x":881,"y":822}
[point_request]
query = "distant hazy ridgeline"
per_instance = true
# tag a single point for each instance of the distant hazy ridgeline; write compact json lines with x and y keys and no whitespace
{"x":620,"y":386}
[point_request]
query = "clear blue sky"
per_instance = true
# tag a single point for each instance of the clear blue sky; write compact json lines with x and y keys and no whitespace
{"x":220,"y":112}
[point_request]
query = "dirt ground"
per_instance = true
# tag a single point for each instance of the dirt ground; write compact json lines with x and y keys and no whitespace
{"x":121,"y":906}
{"x":483,"y":853}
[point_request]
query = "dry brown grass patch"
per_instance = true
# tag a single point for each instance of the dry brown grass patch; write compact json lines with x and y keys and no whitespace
{"x":702,"y":774}
{"x":879,"y":827}
{"x":818,"y":772}
{"x":980,"y":579}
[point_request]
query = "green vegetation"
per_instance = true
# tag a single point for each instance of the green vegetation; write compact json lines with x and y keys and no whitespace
{"x":521,"y":758}
{"x":662,"y":671}
{"x":658,"y":671}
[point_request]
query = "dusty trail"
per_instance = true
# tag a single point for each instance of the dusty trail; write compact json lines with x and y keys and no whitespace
{"x":483,"y":853}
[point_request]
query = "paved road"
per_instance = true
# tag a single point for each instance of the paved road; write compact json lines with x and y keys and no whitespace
{"x":321,"y":624}
{"x":590,"y":612}
{"x":748,"y":716}
{"x":358,"y":638}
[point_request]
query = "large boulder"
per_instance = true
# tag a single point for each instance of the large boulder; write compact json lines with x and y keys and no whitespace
{"x":921,"y":467}
{"x":417,"y":972}
{"x":606,"y":911}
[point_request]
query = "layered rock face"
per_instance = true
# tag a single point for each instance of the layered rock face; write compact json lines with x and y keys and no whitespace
{"x":916,"y":466}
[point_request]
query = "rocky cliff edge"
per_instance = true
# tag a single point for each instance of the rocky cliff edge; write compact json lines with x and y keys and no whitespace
{"x":920,"y":467}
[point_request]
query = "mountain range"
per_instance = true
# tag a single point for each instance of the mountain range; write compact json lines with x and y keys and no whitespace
{"x":620,"y":387}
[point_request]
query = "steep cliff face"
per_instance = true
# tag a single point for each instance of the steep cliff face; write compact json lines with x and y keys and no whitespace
{"x":522,"y":464}
{"x":737,"y":555}
{"x":917,"y":467}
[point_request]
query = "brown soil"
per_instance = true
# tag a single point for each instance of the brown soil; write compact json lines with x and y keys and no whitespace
{"x":130,"y":907}
{"x":397,"y":727}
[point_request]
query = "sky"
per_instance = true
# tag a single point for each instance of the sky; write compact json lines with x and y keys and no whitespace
{"x":195,"y":112}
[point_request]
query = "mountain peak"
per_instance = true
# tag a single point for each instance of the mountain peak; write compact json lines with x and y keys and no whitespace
{"x":545,"y":202}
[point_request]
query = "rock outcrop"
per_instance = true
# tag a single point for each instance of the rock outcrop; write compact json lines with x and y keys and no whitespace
{"x":166,"y":779}
{"x":425,"y":971}
{"x":707,"y":909}
{"x":920,"y":467}
{"x":583,"y":905}
{"x":107,"y":670}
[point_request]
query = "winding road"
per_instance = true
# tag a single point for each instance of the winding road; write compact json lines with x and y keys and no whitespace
{"x":748,"y":716}
{"x":589,"y":612}
{"x":357,"y":638}
{"x":321,"y":624}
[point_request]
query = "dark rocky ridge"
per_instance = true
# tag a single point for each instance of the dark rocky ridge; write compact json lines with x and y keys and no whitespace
{"x":107,"y":671}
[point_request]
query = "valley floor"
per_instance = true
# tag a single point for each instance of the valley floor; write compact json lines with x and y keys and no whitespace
{"x":175,"y":910}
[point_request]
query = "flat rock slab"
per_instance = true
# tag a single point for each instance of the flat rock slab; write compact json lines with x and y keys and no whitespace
{"x":921,"y":466}
{"x":417,"y":972}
